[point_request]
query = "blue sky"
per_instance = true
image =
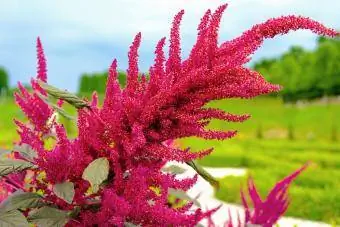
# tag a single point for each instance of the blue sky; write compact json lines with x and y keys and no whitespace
{"x":84,"y":36}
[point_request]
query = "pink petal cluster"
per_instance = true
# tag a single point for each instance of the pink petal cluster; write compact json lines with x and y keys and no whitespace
{"x":10,"y":184}
{"x":133,"y":123}
{"x":267,"y":212}
{"x":129,"y":199}
{"x":4,"y":190}
{"x":35,"y":108}
{"x":66,"y":161}
{"x":42,"y":66}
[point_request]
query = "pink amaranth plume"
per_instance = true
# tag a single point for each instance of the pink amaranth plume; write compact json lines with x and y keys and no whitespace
{"x":37,"y":110}
{"x":267,"y":212}
{"x":5,"y":190}
{"x":42,"y":68}
{"x":10,"y":184}
{"x":132,"y":72}
{"x":129,"y":199}
{"x":134,"y":125}
{"x":60,"y":102}
{"x":66,"y":161}
{"x":239,"y":49}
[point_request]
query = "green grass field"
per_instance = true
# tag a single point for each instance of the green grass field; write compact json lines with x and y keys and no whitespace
{"x":265,"y":147}
{"x":275,"y":141}
{"x":9,"y":111}
{"x":312,"y":122}
{"x":315,"y":194}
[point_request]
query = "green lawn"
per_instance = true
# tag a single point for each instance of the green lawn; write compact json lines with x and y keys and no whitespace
{"x":312,"y":122}
{"x":316,"y":193}
{"x":313,"y":132}
{"x":9,"y":111}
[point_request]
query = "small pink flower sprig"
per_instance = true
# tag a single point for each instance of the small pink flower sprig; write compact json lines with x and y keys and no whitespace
{"x":111,"y":173}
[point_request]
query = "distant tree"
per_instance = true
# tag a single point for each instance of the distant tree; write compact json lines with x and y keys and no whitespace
{"x":303,"y":74}
{"x":97,"y":82}
{"x":3,"y":79}
{"x":122,"y":78}
{"x":84,"y":83}
{"x":328,"y":66}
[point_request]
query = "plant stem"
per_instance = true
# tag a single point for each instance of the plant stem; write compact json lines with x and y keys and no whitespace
{"x":13,"y":183}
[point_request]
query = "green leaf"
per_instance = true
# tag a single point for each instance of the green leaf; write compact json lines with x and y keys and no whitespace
{"x":75,"y":212}
{"x":26,"y":151}
{"x":64,"y":95}
{"x":182,"y":195}
{"x":129,"y":224}
{"x":97,"y":172}
{"x":59,"y":110}
{"x":8,"y":166}
{"x":13,"y":218}
{"x":199,"y":225}
{"x":64,"y":191}
{"x":204,"y":174}
{"x":49,"y":217}
{"x":63,"y":113}
{"x":21,"y":200}
{"x":174,"y":169}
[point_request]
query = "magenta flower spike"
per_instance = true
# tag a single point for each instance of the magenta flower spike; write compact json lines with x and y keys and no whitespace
{"x":111,"y":174}
{"x":267,"y":212}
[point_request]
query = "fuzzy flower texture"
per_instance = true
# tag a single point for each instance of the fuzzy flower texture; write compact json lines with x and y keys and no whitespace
{"x":130,"y":130}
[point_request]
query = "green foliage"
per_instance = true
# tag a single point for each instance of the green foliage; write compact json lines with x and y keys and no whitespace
{"x":305,"y":75}
{"x":64,"y":191}
{"x":96,"y":172}
{"x":173,"y":169}
{"x":64,"y":95}
{"x":49,"y":217}
{"x":334,"y":133}
{"x":21,"y":200}
{"x":9,"y":213}
{"x":26,"y":151}
{"x":204,"y":174}
{"x":180,"y":194}
{"x":259,"y":132}
{"x":316,"y":118}
{"x":3,"y":80}
{"x":291,"y":135}
{"x":97,"y":82}
{"x":12,"y":218}
{"x":8,"y":166}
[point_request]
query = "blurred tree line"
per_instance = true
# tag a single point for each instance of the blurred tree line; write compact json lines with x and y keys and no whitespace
{"x":3,"y":80}
{"x":305,"y":74}
{"x":97,"y":82}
